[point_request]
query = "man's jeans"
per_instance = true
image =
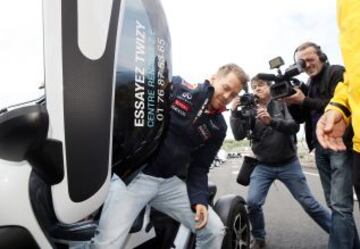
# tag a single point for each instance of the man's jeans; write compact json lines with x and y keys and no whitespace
{"x":336,"y":179}
{"x":292,"y":176}
{"x":169,"y":196}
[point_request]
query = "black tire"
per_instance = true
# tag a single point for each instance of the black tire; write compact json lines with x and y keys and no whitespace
{"x":232,"y":211}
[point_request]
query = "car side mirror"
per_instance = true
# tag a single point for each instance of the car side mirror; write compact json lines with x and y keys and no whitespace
{"x":21,"y":131}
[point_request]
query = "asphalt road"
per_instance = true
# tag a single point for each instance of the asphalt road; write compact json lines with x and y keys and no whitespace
{"x":287,"y":225}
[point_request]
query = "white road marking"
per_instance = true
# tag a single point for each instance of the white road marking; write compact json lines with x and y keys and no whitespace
{"x":305,"y":172}
{"x":311,"y":174}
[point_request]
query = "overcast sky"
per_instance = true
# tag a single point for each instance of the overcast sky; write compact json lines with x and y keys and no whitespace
{"x":205,"y":34}
{"x":21,"y":55}
{"x":209,"y":33}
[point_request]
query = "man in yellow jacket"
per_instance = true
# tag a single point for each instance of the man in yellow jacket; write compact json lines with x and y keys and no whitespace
{"x":344,"y":107}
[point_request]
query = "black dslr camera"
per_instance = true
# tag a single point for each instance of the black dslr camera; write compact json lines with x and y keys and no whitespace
{"x":247,"y":107}
{"x":284,"y":83}
{"x":247,"y":111}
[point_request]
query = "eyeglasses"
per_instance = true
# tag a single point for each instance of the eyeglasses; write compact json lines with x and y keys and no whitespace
{"x":257,"y":84}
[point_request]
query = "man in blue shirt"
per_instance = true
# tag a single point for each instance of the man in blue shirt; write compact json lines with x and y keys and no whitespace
{"x":195,"y":133}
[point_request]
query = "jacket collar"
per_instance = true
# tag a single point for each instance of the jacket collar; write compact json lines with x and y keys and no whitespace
{"x":210,"y":93}
{"x":320,"y":74}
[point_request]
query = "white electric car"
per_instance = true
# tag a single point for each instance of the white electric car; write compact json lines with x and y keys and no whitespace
{"x":105,"y":105}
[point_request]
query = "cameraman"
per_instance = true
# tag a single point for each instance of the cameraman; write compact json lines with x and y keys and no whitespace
{"x":272,"y":141}
{"x":334,"y":167}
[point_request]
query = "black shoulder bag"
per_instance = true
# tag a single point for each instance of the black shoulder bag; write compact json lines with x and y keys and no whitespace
{"x":246,"y":169}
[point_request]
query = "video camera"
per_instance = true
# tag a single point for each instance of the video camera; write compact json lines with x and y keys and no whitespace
{"x":284,"y":83}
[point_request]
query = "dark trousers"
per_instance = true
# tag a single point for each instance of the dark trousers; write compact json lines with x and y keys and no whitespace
{"x":356,"y":174}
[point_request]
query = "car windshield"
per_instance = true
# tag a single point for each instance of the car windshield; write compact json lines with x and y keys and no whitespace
{"x":21,"y":51}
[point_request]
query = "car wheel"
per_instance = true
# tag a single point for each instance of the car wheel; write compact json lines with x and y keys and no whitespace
{"x":233,"y":213}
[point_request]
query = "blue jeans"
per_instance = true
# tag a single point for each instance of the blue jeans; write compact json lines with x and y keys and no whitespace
{"x":336,"y":179}
{"x":292,"y":176}
{"x":169,"y":196}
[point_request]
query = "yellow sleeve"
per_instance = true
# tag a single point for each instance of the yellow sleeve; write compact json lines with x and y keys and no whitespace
{"x":347,"y":94}
{"x":349,"y":37}
{"x":348,"y":17}
{"x":341,"y":98}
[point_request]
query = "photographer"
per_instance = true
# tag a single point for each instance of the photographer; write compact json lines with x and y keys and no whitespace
{"x":272,"y":142}
{"x":334,"y":167}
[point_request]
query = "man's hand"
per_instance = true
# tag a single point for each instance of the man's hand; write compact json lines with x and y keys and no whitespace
{"x":201,"y":216}
{"x":263,"y":115}
{"x":235,"y":103}
{"x":297,"y":98}
{"x":330,"y":129}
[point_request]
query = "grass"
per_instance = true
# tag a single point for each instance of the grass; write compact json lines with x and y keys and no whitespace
{"x":231,"y":145}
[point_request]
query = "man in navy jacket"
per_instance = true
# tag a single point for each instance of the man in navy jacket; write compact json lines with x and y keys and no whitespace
{"x":195,"y":133}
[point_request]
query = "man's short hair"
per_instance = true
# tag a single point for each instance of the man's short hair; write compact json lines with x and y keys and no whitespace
{"x":238,"y":71}
{"x":318,"y":51}
{"x":256,"y":78}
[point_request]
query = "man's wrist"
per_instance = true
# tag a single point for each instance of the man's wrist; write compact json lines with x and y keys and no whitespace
{"x":272,"y":122}
{"x":345,"y":111}
{"x":306,"y":102}
{"x":346,"y":118}
{"x":193,"y":207}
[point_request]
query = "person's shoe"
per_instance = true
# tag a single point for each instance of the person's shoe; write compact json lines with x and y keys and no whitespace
{"x":257,"y":244}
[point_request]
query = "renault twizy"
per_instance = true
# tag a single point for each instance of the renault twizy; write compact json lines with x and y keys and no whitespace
{"x":105,"y":106}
